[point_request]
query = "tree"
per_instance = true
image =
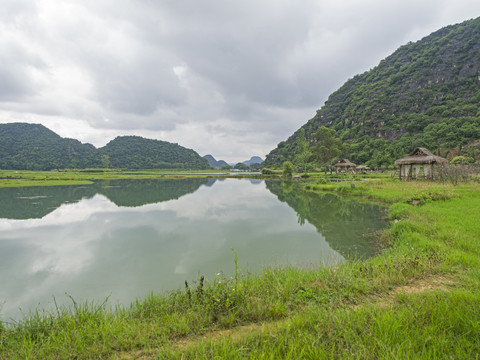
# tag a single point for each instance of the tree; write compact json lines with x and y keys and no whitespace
{"x":242,"y":166}
{"x":288,"y":169}
{"x":327,"y":146}
{"x":303,"y":154}
{"x":256,"y":166}
{"x":105,"y":160}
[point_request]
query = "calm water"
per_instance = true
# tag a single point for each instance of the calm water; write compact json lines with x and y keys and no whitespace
{"x":125,"y":239}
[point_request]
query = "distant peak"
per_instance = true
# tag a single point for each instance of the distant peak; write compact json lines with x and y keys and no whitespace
{"x":254,"y":160}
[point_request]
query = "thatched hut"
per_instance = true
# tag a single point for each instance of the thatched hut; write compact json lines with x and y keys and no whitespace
{"x":362,"y":168}
{"x":344,"y":165}
{"x":419,"y":163}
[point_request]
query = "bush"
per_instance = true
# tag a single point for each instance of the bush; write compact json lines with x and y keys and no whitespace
{"x":288,"y":169}
{"x":266,"y":171}
{"x":462,"y":160}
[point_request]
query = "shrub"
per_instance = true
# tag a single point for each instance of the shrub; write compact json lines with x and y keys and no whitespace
{"x":266,"y":171}
{"x":462,"y":160}
{"x":288,"y":169}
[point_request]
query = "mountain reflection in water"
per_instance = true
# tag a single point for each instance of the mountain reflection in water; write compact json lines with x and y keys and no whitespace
{"x":347,"y":225}
{"x":36,"y":202}
{"x":127,"y":238}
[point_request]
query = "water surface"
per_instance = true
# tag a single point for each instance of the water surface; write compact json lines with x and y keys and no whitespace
{"x":125,"y":239}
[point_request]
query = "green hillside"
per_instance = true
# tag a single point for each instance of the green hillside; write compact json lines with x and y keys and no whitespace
{"x":135,"y":152}
{"x":426,"y":93}
{"x":34,"y":147}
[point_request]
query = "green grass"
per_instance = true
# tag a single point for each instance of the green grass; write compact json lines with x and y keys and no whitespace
{"x":12,"y":178}
{"x":390,"y":190}
{"x":419,"y":299}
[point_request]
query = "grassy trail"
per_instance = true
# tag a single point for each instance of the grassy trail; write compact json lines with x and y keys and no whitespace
{"x":237,"y":336}
{"x":419,"y":299}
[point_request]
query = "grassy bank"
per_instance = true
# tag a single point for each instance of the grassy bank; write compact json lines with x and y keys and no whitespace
{"x":12,"y":178}
{"x":419,"y":299}
{"x":21,"y":178}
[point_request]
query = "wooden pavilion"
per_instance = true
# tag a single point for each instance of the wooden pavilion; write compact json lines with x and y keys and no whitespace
{"x":419,"y":164}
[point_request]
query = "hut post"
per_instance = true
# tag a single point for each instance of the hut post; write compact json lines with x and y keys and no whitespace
{"x":417,"y":171}
{"x":428,"y":168}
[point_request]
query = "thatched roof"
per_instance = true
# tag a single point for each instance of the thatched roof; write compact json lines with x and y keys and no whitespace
{"x":421,"y":156}
{"x":345,"y":163}
{"x":362,"y":167}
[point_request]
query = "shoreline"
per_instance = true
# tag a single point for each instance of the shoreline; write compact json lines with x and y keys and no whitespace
{"x":398,"y":303}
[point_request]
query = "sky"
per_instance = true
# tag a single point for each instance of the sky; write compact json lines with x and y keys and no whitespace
{"x":222,"y":77}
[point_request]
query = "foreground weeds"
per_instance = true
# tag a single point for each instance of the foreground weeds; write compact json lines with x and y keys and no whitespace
{"x":418,"y":299}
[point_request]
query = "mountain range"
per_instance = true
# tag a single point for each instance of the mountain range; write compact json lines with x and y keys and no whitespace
{"x":222,"y":163}
{"x":425,"y":94}
{"x":34,"y":147}
{"x":216,"y":163}
{"x":253,"y":160}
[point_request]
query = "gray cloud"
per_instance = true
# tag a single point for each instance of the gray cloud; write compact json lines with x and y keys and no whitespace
{"x":222,"y":77}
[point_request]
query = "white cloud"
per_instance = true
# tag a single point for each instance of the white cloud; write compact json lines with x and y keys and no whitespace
{"x":228,"y":78}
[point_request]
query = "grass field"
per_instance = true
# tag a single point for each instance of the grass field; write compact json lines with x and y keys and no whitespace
{"x":419,"y":299}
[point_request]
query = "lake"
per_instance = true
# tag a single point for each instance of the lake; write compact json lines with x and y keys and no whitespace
{"x":124,"y":239}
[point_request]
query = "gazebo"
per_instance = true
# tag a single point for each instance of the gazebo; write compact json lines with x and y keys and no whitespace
{"x":419,"y":161}
{"x":345,"y":164}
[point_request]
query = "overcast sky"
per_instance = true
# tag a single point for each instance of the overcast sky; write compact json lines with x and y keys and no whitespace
{"x":223,"y":77}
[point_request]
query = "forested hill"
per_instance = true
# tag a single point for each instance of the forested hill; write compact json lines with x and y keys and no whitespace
{"x":34,"y":147}
{"x":135,"y":152}
{"x":426,"y":93}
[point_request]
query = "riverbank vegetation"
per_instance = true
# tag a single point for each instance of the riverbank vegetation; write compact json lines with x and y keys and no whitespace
{"x":418,"y":299}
